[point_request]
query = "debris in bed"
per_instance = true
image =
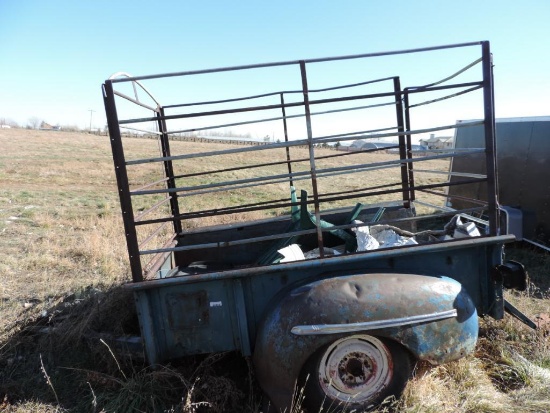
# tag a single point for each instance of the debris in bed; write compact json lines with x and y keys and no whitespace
{"x":381,"y":236}
{"x":460,"y":229}
{"x":294,"y":253}
{"x":327,"y":252}
{"x":291,"y":253}
{"x":373,"y":237}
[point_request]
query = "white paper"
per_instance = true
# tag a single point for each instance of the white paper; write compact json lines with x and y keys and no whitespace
{"x":291,"y":253}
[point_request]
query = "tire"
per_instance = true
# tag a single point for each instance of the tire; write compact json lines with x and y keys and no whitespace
{"x":354,"y":372}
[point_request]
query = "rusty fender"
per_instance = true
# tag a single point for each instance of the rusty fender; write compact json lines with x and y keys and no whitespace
{"x":433,"y":317}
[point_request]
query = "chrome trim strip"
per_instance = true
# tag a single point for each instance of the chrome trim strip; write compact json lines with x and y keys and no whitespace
{"x":306,"y":330}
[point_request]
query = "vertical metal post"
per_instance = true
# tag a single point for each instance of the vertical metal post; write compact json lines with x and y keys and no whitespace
{"x":242,"y":319}
{"x":490,"y":139}
{"x":122,"y":181}
{"x":289,"y":165}
{"x":311,"y":156}
{"x":402,"y":146}
{"x":91,"y":113}
{"x":169,"y":170}
{"x":409,"y":143}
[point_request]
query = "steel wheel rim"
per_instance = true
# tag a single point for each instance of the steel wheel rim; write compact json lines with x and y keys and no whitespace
{"x":355,"y":369}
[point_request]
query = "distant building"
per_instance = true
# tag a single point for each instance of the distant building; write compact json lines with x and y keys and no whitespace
{"x":437,"y":142}
{"x":361,"y":145}
{"x":47,"y":126}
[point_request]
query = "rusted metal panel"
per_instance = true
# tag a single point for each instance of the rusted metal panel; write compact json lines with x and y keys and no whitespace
{"x":187,"y":311}
{"x":194,"y":319}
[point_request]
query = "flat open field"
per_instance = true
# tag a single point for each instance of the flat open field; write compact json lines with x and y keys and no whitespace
{"x":63,"y":258}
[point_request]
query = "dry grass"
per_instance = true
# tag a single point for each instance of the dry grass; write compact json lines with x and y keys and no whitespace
{"x":62,"y":256}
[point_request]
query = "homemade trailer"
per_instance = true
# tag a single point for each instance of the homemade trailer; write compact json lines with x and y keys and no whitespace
{"x":336,"y":270}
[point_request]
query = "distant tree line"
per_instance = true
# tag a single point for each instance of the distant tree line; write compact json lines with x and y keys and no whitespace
{"x":35,"y":122}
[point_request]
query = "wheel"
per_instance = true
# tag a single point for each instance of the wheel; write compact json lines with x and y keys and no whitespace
{"x":354,"y":372}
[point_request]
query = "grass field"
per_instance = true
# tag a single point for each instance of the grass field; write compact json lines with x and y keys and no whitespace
{"x":62,"y":261}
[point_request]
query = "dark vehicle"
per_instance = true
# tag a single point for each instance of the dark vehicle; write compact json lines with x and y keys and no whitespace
{"x":523,"y":149}
{"x":334,"y":270}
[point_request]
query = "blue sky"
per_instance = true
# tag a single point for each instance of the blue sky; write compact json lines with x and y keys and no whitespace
{"x":55,"y":54}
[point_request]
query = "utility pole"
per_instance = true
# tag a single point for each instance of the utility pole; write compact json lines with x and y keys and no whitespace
{"x":91,"y":113}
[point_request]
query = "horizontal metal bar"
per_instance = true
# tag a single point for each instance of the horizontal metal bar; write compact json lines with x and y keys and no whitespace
{"x":347,"y":135}
{"x":224,"y":184}
{"x":154,"y":265}
{"x":258,"y":108}
{"x":226,"y":125}
{"x":153,"y":234}
{"x":397,"y":162}
{"x":250,"y":122}
{"x":445,"y":87}
{"x":152,"y":208}
{"x":141,"y":130}
{"x":275,"y":178}
{"x":438,"y":207}
{"x":285,"y":162}
{"x":474,"y":219}
{"x":537,"y":244}
{"x":300,"y":91}
{"x":273,"y":204}
{"x":302,"y":142}
{"x":137,"y":102}
{"x":125,"y":77}
{"x":419,"y":188}
{"x":296,"y":175}
{"x":327,"y":198}
{"x":448,"y":212}
{"x":341,"y":260}
{"x":447,"y":196}
{"x":453,"y":149}
{"x":463,"y":198}
{"x":445,"y":208}
{"x":463,"y":92}
{"x":322,"y":199}
{"x":226,"y":244}
{"x":291,"y":104}
{"x":297,"y":62}
{"x":151,"y":184}
{"x":283,"y":179}
{"x":307,"y":330}
{"x":213,"y":113}
{"x":239,"y":99}
{"x":461,"y":174}
{"x":465,"y":68}
{"x":411,"y":132}
{"x":297,"y":160}
{"x":262,"y":180}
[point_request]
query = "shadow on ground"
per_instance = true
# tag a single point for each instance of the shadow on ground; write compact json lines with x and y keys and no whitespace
{"x":70,"y":358}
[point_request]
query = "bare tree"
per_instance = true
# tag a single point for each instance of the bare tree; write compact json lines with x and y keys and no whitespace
{"x":34,"y":122}
{"x":12,"y":123}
